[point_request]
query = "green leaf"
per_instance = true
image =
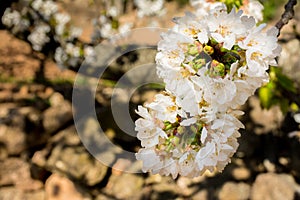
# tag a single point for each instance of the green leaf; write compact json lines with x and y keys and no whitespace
{"x":265,"y":95}
{"x":284,"y":105}
{"x":284,"y":81}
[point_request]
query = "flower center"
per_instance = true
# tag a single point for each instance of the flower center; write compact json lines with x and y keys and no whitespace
{"x":220,"y":59}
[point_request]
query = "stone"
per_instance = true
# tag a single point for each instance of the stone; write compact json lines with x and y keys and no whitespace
{"x":271,"y":186}
{"x":201,"y":195}
{"x":289,"y":58}
{"x":166,"y":189}
{"x":11,"y":193}
{"x":234,"y":191}
{"x":76,"y":162}
{"x":95,"y":173}
{"x":35,"y":195}
{"x":69,"y":136}
{"x":103,"y":197}
{"x":3,"y":152}
{"x":58,"y":187}
{"x":13,"y":138}
{"x":125,"y":186}
{"x":57,"y":116}
{"x":268,"y":120}
{"x":185,"y":186}
{"x":241,"y":173}
{"x":16,"y":172}
{"x":39,"y":158}
{"x":56,"y":99}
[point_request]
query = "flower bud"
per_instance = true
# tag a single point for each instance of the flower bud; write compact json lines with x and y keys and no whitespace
{"x":192,"y":50}
{"x":208,"y":49}
{"x":217,"y":69}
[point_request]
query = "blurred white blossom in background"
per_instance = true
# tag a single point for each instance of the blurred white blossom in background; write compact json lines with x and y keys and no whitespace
{"x":149,"y":7}
{"x":250,"y":7}
{"x":38,"y":37}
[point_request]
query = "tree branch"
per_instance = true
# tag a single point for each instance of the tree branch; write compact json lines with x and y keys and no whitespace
{"x":287,"y":15}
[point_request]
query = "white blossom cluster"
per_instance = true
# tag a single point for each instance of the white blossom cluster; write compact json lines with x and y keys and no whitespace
{"x":149,"y":7}
{"x":250,"y":7}
{"x":71,"y":55}
{"x":210,"y":66}
{"x":13,"y":19}
{"x":107,"y":26}
{"x":44,"y":22}
{"x":38,"y":37}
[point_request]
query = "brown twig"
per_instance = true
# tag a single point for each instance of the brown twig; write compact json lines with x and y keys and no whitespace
{"x":287,"y":15}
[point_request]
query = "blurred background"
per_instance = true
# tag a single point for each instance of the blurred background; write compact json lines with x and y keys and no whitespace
{"x":41,"y":153}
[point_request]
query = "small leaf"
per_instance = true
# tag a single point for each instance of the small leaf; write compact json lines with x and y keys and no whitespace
{"x":265,"y":95}
{"x":284,"y":105}
{"x":283,"y":81}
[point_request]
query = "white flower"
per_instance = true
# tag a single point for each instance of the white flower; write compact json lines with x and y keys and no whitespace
{"x":89,"y":54}
{"x":165,"y":108}
{"x":226,"y":27}
{"x":14,"y":20}
{"x":210,"y":67}
{"x":149,"y":128}
{"x":75,"y":32}
{"x":61,"y":20}
{"x":253,"y":8}
{"x":48,"y":8}
{"x":190,"y":25}
{"x":204,"y":7}
{"x":60,"y":56}
{"x":261,"y":47}
{"x":187,"y":164}
{"x":149,"y":7}
{"x":38,"y":37}
{"x":250,"y":8}
{"x":149,"y":157}
{"x":11,"y":17}
{"x":37,"y":4}
{"x":113,"y":11}
{"x":72,"y":50}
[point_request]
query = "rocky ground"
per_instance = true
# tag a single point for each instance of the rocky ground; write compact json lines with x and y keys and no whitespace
{"x":42,"y":156}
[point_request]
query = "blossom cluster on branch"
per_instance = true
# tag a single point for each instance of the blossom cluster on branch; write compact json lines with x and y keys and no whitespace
{"x":210,"y":65}
{"x":41,"y":23}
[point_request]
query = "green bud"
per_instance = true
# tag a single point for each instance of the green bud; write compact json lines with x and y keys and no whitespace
{"x":175,"y":141}
{"x":114,"y":24}
{"x":193,"y":50}
{"x":230,"y":57}
{"x":208,"y":49}
{"x":194,"y":129}
{"x":180,"y":130}
{"x":217,"y":68}
{"x":168,"y":126}
{"x":169,"y":147}
{"x":198,"y":63}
